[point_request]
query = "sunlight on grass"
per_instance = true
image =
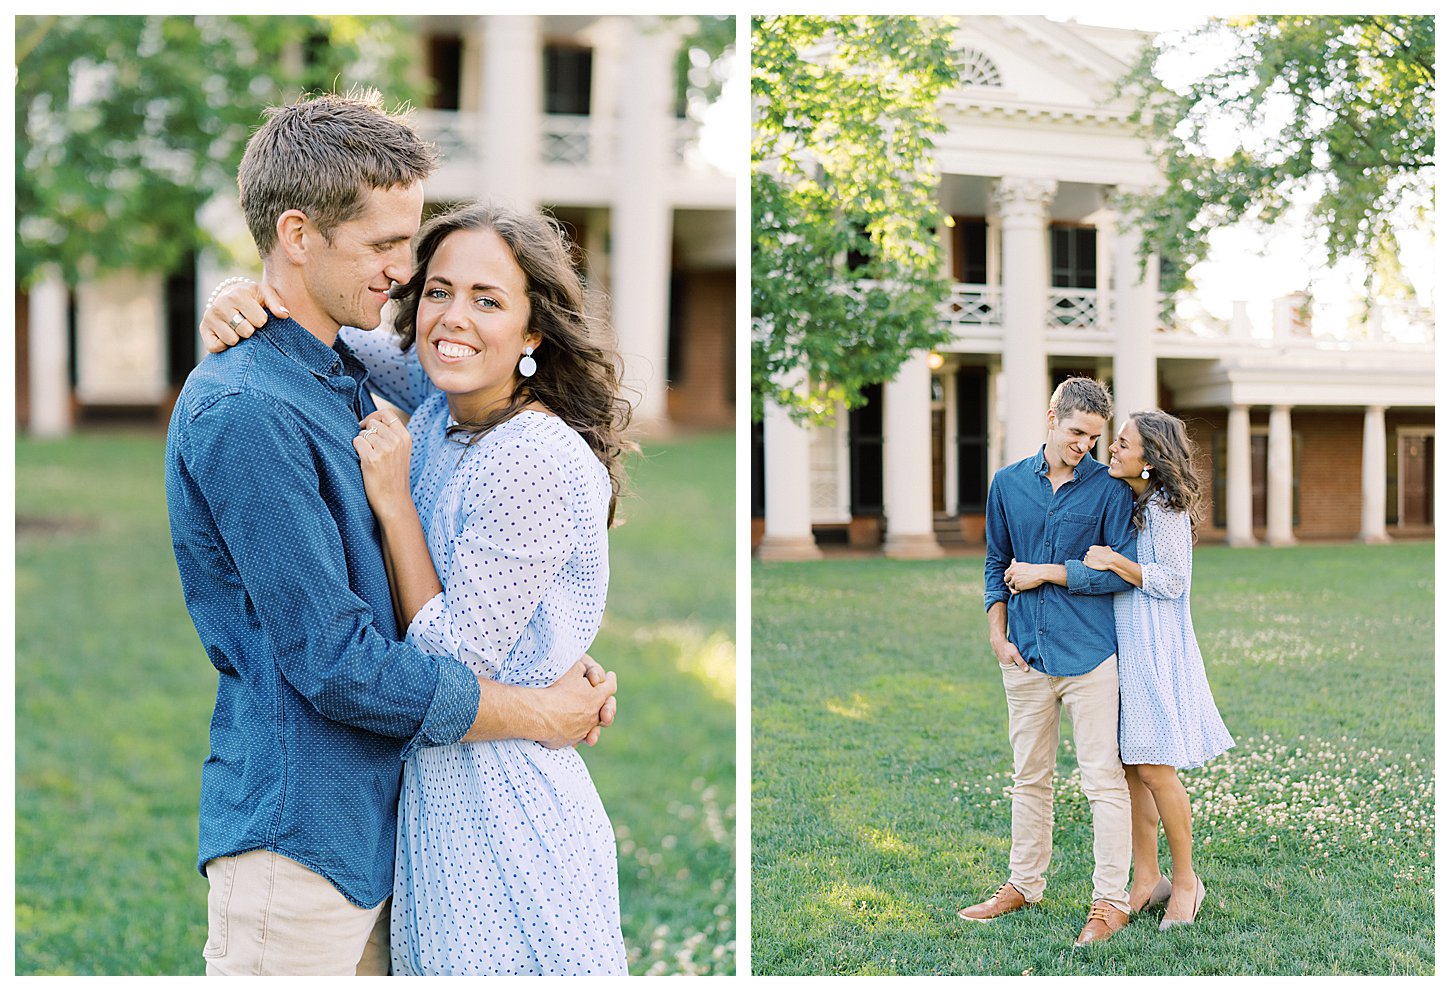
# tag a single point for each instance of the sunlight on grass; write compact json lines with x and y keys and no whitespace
{"x":858,"y":708}
{"x":709,"y":657}
{"x":886,"y":841}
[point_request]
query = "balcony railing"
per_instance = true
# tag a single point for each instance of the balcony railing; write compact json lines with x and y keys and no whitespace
{"x":972,"y":305}
{"x":567,"y":140}
{"x":564,"y":139}
{"x":1074,"y":308}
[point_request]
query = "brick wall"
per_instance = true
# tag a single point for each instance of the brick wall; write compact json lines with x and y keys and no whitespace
{"x":1330,"y":462}
{"x":703,"y":390}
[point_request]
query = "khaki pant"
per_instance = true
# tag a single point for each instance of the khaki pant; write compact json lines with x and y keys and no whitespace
{"x":267,"y":914}
{"x":1034,"y":706}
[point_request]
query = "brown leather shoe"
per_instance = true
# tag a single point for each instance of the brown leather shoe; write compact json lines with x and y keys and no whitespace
{"x":1007,"y":899}
{"x":1102,"y":922}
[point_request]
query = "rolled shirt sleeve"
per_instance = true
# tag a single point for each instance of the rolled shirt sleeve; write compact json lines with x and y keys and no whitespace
{"x":1118,"y":533}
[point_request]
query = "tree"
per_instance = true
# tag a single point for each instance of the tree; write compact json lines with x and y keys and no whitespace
{"x":125,"y":126}
{"x":1332,"y":115}
{"x":845,"y":261}
{"x":703,"y":63}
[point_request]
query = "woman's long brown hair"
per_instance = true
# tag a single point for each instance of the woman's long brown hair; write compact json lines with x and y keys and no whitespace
{"x":578,"y":376}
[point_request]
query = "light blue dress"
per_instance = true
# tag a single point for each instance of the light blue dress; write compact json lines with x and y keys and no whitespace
{"x":1166,"y":714}
{"x":506,"y":859}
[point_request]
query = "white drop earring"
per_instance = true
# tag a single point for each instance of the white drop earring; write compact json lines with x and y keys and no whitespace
{"x":1144,"y":476}
{"x":527,"y":365}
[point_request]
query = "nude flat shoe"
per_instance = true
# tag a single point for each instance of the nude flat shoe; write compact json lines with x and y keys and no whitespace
{"x":1198,"y":896}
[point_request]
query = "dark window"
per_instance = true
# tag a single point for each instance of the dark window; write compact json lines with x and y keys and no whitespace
{"x":567,"y":79}
{"x":867,"y":478}
{"x":972,"y":440}
{"x":969,"y":250}
{"x":181,"y":341}
{"x":757,"y":470}
{"x":1074,"y":257}
{"x":444,"y":54}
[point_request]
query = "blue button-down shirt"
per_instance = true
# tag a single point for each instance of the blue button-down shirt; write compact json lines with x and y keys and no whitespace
{"x":1060,"y":631}
{"x":317,"y":702}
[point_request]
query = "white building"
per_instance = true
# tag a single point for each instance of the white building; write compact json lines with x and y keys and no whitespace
{"x":573,"y":113}
{"x":1309,"y":430}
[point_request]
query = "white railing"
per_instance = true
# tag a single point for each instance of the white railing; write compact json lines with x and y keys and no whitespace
{"x":567,"y":140}
{"x":1075,"y":308}
{"x":972,"y":305}
{"x":455,"y":134}
{"x":564,"y":139}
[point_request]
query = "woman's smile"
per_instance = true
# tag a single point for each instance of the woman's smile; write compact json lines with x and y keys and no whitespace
{"x":453,"y":350}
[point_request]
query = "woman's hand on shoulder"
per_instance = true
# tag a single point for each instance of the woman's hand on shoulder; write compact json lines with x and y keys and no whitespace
{"x":236,"y":311}
{"x":384,"y":448}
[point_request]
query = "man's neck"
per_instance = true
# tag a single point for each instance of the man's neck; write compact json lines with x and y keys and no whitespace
{"x":305,"y":311}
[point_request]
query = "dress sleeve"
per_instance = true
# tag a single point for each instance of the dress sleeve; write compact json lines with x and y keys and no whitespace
{"x":1167,"y":575}
{"x":393,"y":373}
{"x":516,"y":536}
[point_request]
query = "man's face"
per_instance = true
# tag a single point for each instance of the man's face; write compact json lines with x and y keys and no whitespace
{"x":1071,"y":437}
{"x":349,"y":278}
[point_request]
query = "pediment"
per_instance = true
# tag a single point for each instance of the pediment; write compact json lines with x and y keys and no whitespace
{"x":1036,"y":65}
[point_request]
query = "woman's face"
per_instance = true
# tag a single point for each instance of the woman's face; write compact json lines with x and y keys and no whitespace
{"x":473,"y":321}
{"x":1125,"y":455}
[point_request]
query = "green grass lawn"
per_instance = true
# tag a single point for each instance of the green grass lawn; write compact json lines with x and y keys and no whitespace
{"x":113,"y":697}
{"x":881,"y":771}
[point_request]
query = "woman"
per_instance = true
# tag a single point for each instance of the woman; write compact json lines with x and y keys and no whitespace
{"x":1167,"y":717}
{"x":493,"y":503}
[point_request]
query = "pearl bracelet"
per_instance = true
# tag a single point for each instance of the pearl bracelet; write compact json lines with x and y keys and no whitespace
{"x":224,"y":285}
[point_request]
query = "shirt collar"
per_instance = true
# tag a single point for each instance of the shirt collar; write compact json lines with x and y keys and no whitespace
{"x":299,"y":344}
{"x":1040,"y":466}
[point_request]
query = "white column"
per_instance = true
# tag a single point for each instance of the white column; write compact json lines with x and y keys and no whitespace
{"x":1022,"y":205}
{"x":509,"y":129}
{"x":1281,"y":478}
{"x":1239,"y":488}
{"x":1372,"y":506}
{"x":50,"y":394}
{"x":787,"y":535}
{"x":1135,"y":315}
{"x":907,"y":457}
{"x":642,"y":218}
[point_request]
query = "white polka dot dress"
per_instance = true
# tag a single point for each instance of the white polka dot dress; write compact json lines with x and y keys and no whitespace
{"x":1167,"y":714}
{"x":505,"y":857}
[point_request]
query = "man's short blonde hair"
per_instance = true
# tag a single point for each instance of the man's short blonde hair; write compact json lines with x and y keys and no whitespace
{"x":1082,"y":395}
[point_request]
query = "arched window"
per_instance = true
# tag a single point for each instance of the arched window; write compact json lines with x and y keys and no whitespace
{"x":976,"y":69}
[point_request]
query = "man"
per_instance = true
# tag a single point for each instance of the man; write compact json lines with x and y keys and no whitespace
{"x":1051,"y":627}
{"x":317,"y":702}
